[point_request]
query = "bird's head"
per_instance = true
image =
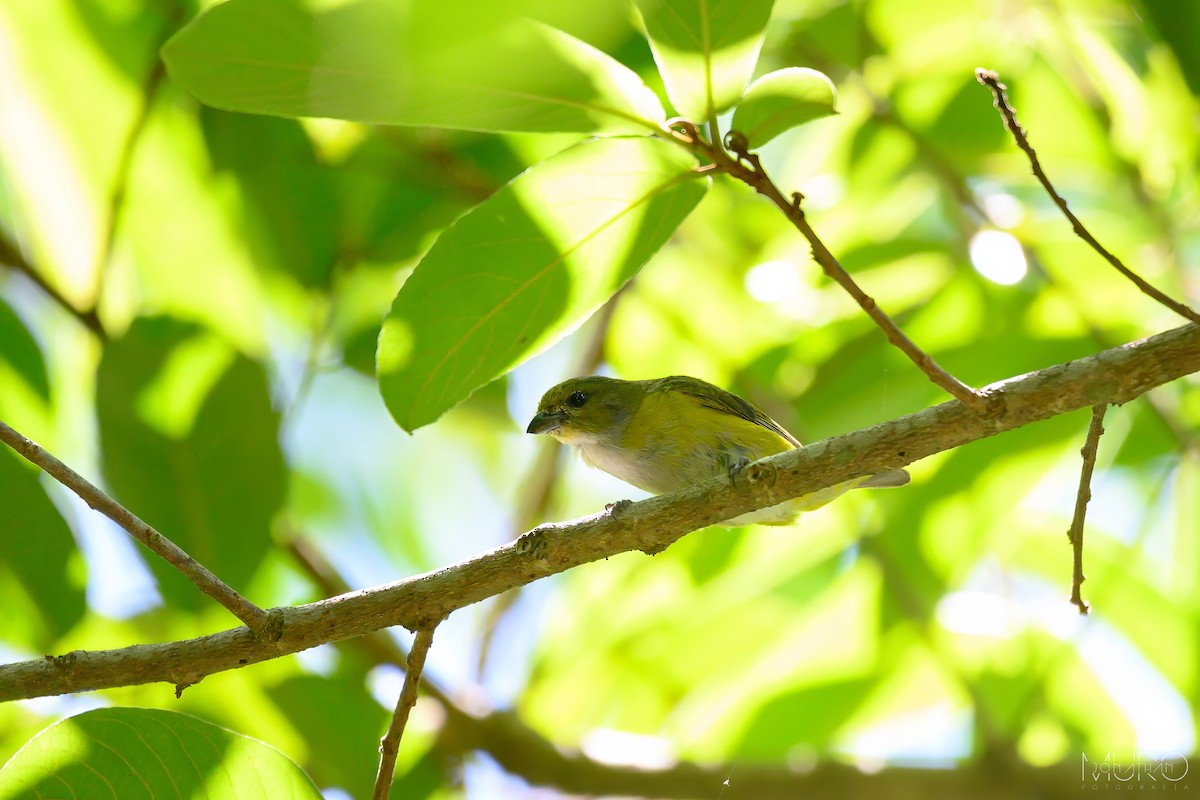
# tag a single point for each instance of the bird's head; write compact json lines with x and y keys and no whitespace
{"x":590,"y":410}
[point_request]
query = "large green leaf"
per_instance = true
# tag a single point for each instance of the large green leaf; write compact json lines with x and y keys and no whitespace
{"x":464,"y":64}
{"x":40,"y":599}
{"x":706,"y":49}
{"x":190,"y":444}
{"x":291,"y":194}
{"x":527,"y":266}
{"x":340,"y":722}
{"x":132,"y":753}
{"x":1178,"y":24}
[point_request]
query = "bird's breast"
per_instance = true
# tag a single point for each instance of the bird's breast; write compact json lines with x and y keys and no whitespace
{"x":635,"y":467}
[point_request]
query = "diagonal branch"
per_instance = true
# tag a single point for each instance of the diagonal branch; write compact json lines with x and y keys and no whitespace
{"x":254,"y":617}
{"x":746,"y":167}
{"x":1117,"y":376}
{"x":991,"y":80}
{"x":11,"y":256}
{"x":390,"y":744}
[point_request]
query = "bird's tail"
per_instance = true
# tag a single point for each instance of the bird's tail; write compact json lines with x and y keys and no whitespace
{"x":885,"y":480}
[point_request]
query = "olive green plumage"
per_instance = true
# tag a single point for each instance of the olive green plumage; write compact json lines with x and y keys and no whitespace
{"x":664,"y":434}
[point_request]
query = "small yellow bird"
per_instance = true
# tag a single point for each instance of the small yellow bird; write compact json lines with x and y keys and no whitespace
{"x":662,"y":435}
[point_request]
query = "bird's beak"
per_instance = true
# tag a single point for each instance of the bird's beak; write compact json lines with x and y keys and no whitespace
{"x":546,"y":422}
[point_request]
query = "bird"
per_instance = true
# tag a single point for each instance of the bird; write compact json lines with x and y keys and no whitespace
{"x":664,"y":434}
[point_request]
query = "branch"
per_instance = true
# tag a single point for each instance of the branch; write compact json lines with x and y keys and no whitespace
{"x":254,"y":617}
{"x":965,"y":197}
{"x":1116,"y":376}
{"x":522,"y":751}
{"x":11,"y":255}
{"x":991,"y":80}
{"x":1075,"y":532}
{"x":389,"y":746}
{"x":540,"y":482}
{"x":746,"y":167}
{"x":150,"y":85}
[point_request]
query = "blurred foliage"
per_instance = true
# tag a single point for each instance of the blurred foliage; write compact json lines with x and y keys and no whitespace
{"x":242,"y":266}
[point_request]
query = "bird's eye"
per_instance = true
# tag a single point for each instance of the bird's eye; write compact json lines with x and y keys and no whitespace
{"x":577,"y":400}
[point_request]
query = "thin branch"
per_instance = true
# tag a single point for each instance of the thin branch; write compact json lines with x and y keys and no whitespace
{"x":389,"y":746}
{"x":1112,"y":376}
{"x":965,"y":197}
{"x":1075,"y":532}
{"x":991,"y":80}
{"x":521,"y":751}
{"x":538,"y":486}
{"x":11,"y":255}
{"x":746,"y":167}
{"x":150,"y":85}
{"x":255,"y":618}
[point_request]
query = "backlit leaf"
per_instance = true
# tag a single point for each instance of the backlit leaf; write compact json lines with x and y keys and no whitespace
{"x":134,"y":753}
{"x":527,"y":266}
{"x":474,"y":66}
{"x":705,"y":49}
{"x":781,"y":100}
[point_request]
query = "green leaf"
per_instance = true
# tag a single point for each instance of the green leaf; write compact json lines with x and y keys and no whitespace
{"x":291,"y":194}
{"x":781,"y":100}
{"x":340,"y":723}
{"x":526,"y":267}
{"x":41,"y":602}
{"x":190,"y":445}
{"x":468,"y":65}
{"x":132,"y":753}
{"x":705,"y":49}
{"x":21,"y":351}
{"x":1178,"y":24}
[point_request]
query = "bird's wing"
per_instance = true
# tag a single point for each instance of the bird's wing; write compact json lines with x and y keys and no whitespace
{"x":716,"y":398}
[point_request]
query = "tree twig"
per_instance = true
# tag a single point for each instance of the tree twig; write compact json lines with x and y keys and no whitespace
{"x":746,"y":167}
{"x":120,"y":187}
{"x":1082,"y":496}
{"x":965,"y":197}
{"x":991,"y":80}
{"x":258,"y":620}
{"x":1112,"y":376}
{"x":11,"y":255}
{"x":389,"y":746}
